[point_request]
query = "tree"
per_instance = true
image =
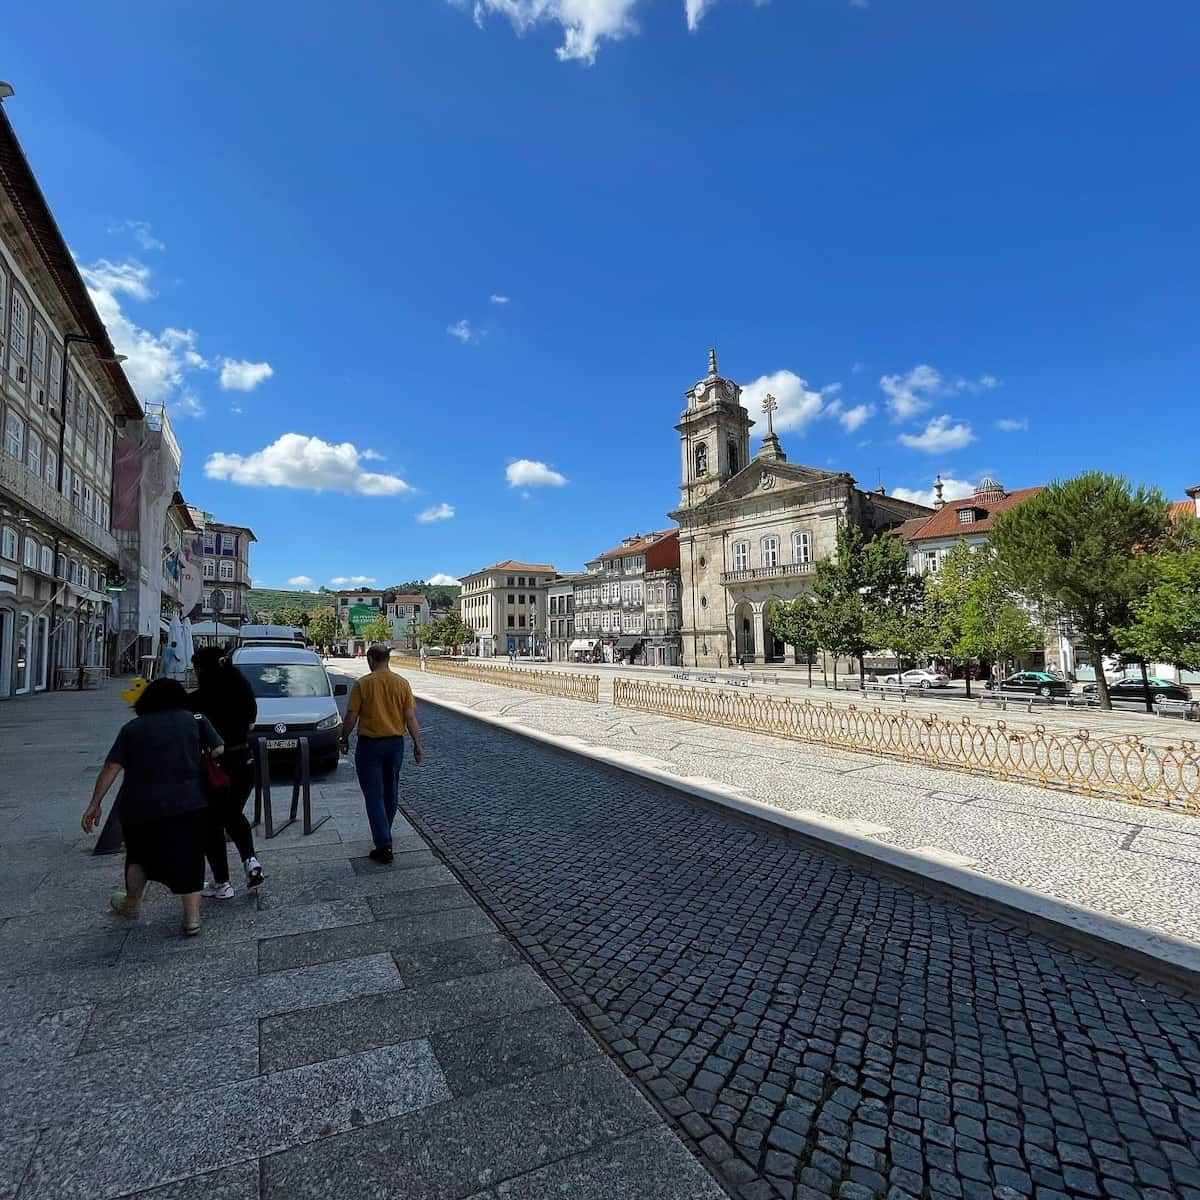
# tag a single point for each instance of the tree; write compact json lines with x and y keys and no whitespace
{"x":1079,"y":549}
{"x":995,"y":626}
{"x":796,"y":624}
{"x":378,"y":630}
{"x":449,"y":630}
{"x":946,"y":597}
{"x":289,"y":614}
{"x":894,"y":600}
{"x":322,"y":627}
{"x":1165,"y":620}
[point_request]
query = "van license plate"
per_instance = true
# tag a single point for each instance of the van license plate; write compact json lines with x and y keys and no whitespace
{"x":282,"y":744}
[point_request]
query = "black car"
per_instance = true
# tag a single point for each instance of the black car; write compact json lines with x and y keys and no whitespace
{"x":1040,"y":682}
{"x":1131,"y":690}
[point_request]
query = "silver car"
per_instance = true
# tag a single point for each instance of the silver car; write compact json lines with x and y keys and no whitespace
{"x":295,"y":699}
{"x":920,"y":677}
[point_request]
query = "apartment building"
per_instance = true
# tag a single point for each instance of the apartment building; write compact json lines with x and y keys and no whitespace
{"x":505,"y":604}
{"x":406,"y":614}
{"x":610,"y":602}
{"x":560,"y":610}
{"x":223,"y":554}
{"x":63,"y":402}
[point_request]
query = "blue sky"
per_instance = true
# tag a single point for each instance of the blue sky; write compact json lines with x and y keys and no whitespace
{"x":423,"y":242}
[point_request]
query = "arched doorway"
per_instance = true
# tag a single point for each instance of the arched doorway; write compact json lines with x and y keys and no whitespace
{"x":775,"y":650}
{"x":743,"y":630}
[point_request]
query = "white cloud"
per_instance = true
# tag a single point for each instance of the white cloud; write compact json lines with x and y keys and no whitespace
{"x":912,"y":392}
{"x":854,"y":418}
{"x":858,"y":368}
{"x":585,"y":23}
{"x":161,"y":367}
{"x":1012,"y":424}
{"x":300,"y":581}
{"x":238,"y":375}
{"x":798,"y":403}
{"x":527,"y":473}
{"x":142,"y":231}
{"x":952,"y":489}
{"x":443,"y":580}
{"x":694,"y":10}
{"x":985,"y":383}
{"x":939,"y":435}
{"x":296,"y":461}
{"x":463,"y":331}
{"x":352,"y":580}
{"x":495,"y":298}
{"x":439,"y":512}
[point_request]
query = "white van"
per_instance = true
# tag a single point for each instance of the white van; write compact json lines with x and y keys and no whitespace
{"x":295,"y":699}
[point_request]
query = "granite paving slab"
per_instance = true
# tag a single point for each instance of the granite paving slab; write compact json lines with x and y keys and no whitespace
{"x":406,"y":904}
{"x":61,"y":955}
{"x":289,"y":892}
{"x":310,"y":1034}
{"x":651,"y":1164}
{"x":403,"y":861}
{"x":16,"y":1149}
{"x":455,"y":960}
{"x":216,"y":1003}
{"x":44,"y":1092}
{"x":394,"y":934}
{"x":477,"y":1057}
{"x":459,"y":1148}
{"x":146,"y":1144}
{"x":46,"y":1036}
{"x":239,"y":1182}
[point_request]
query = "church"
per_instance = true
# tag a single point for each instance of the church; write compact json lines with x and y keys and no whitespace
{"x":751,"y":530}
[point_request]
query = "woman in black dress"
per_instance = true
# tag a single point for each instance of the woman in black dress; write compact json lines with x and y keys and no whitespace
{"x":161,"y":805}
{"x":225,"y":697}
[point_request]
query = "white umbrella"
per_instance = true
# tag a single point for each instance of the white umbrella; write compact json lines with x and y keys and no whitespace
{"x":173,"y":662}
{"x":187,"y":646}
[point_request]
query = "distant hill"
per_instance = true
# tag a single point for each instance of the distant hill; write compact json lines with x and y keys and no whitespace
{"x":271,"y":600}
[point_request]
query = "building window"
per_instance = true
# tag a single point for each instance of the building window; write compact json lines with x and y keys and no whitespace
{"x":76,"y":490}
{"x":207,"y":601}
{"x":931,"y":561}
{"x":770,"y":552}
{"x":89,"y":501}
{"x":8,"y":544}
{"x":14,"y":435}
{"x":966,"y":516}
{"x":73,"y":571}
{"x":35,"y":453}
{"x":227,"y":570}
{"x":801,"y":547}
{"x":735,"y":464}
{"x":512,"y":621}
{"x":511,"y":582}
{"x":18,"y":334}
{"x":47,"y":561}
{"x":60,"y":567}
{"x":31,"y":554}
{"x":741,"y":556}
{"x":210,"y":543}
{"x":51,"y":468}
{"x":55,"y":375}
{"x":39,"y":354}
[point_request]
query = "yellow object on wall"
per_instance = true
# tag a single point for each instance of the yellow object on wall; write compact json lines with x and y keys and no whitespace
{"x":136,"y":687}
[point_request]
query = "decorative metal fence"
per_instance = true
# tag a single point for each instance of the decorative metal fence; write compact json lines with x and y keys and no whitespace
{"x":550,"y":683}
{"x":1125,"y":768}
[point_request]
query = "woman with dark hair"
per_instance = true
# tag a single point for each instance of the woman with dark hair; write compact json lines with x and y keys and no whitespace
{"x":161,"y":804}
{"x":225,"y":697}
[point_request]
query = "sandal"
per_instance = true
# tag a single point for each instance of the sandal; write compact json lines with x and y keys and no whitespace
{"x":191,"y":930}
{"x":120,"y":903}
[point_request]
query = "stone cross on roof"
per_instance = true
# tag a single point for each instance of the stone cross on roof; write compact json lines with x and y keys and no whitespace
{"x":712,"y":364}
{"x":770,"y":407}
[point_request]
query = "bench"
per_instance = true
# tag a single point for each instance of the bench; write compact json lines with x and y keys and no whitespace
{"x":1083,"y":700}
{"x":680,"y":675}
{"x":888,"y":689}
{"x":1004,"y":699}
{"x":1172,"y":708}
{"x":737,"y":680}
{"x":708,"y":679}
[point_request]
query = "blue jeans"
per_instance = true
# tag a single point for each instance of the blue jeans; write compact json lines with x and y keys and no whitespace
{"x":377,"y":762}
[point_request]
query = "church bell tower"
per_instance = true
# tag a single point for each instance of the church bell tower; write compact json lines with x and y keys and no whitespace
{"x":714,"y":435}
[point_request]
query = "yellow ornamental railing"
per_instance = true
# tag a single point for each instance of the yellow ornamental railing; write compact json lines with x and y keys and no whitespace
{"x":1124,"y":767}
{"x":549,"y":683}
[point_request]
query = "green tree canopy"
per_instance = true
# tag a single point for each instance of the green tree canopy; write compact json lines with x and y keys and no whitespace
{"x":378,"y":630}
{"x":288,"y":614}
{"x":1080,"y":550}
{"x":322,"y":627}
{"x":447,"y":630}
{"x":1164,"y":623}
{"x":796,"y":624}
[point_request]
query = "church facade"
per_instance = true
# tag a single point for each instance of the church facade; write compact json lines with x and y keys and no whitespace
{"x":752,"y":530}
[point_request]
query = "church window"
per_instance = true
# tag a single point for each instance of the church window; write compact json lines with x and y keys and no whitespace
{"x":966,"y":516}
{"x":734,"y":463}
{"x":801,"y":547}
{"x":741,"y":556}
{"x":770,"y":552}
{"x":701,"y":460}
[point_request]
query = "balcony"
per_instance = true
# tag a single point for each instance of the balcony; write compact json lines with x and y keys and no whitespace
{"x":31,"y":489}
{"x":755,"y":574}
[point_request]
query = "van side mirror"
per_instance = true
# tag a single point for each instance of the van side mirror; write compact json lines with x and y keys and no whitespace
{"x":340,"y":689}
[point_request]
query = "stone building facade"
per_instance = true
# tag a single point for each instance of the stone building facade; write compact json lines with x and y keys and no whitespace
{"x":505,"y":604}
{"x":751,"y":530}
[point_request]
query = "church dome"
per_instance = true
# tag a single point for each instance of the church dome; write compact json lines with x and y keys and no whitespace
{"x":989,"y":489}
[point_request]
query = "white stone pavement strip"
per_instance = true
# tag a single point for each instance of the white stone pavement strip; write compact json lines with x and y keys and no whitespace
{"x":1093,"y":854}
{"x":108,"y":1154}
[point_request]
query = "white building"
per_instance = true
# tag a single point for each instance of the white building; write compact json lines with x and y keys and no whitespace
{"x":505,"y":604}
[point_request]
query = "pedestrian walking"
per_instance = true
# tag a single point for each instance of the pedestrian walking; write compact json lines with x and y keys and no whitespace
{"x":382,"y":707}
{"x":225,"y":697}
{"x":161,"y":803}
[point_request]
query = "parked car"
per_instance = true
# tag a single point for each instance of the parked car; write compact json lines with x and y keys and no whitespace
{"x":1041,"y":682}
{"x":922,"y":677}
{"x":295,"y":699}
{"x":1129,"y":689}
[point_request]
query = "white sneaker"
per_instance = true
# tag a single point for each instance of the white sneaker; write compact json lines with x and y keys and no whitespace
{"x":218,"y":891}
{"x":254,"y":872}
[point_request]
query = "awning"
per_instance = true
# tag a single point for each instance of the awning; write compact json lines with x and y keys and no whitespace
{"x":581,"y":644}
{"x":212,"y":629}
{"x":627,"y":641}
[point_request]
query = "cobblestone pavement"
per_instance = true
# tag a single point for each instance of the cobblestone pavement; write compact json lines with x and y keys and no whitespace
{"x":1139,"y":863}
{"x":351,"y":1031}
{"x":817,"y":1031}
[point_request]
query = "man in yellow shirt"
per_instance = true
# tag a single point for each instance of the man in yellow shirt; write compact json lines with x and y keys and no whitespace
{"x":382,"y":706}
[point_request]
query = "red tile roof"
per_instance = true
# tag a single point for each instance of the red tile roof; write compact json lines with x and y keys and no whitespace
{"x":417,"y":599}
{"x":639,"y":546}
{"x":945,"y":523}
{"x":1178,"y":509}
{"x":511,"y":564}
